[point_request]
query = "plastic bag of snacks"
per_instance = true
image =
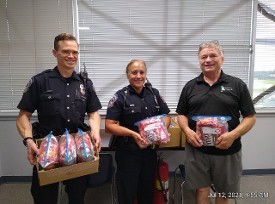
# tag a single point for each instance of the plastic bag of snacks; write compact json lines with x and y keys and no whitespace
{"x":84,"y":146}
{"x":211,"y":127}
{"x":48,"y":152}
{"x":154,"y":130}
{"x":67,"y":149}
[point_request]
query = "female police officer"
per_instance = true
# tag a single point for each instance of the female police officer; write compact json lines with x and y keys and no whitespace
{"x":61,"y":99}
{"x":136,"y":161}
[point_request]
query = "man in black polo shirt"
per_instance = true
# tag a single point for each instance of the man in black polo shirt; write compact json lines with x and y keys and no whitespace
{"x":214,"y":96}
{"x":61,"y":98}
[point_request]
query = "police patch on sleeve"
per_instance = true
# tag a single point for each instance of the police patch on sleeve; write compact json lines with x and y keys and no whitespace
{"x":112,"y":101}
{"x":162,"y":99}
{"x":28,"y":85}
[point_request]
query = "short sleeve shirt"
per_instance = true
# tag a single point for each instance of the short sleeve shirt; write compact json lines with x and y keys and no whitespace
{"x":60,"y":103}
{"x":229,"y":96}
{"x":129,"y":107}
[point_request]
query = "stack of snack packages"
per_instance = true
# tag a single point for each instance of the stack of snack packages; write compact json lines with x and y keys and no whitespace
{"x":65,"y":150}
{"x":153,"y":129}
{"x":210,"y":128}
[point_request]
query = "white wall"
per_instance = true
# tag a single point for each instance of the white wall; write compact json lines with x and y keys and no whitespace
{"x":258,"y":148}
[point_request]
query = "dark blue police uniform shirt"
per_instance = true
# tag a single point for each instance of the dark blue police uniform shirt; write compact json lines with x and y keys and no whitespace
{"x":129,"y":107}
{"x":60,"y":103}
{"x":229,"y":96}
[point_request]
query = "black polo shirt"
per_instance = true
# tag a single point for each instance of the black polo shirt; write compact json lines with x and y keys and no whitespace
{"x":128,"y":107}
{"x":60,"y":102}
{"x":229,"y":96}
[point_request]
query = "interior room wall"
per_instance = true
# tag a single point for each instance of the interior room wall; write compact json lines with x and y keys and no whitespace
{"x":258,"y":151}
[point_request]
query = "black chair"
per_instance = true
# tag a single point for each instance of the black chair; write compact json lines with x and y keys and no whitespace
{"x":180,"y":169}
{"x":105,"y":174}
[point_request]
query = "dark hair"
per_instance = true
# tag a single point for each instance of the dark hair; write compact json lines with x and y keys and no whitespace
{"x":133,"y":61}
{"x":61,"y":37}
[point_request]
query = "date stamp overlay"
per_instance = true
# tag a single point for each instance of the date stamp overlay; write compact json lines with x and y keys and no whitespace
{"x":237,"y":195}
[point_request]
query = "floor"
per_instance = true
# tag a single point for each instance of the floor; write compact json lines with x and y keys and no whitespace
{"x":255,"y":190}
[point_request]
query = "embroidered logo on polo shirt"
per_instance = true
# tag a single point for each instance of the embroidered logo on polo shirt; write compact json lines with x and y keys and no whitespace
{"x":224,"y":88}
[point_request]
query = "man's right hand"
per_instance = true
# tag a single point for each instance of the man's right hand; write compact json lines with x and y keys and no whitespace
{"x":193,"y":138}
{"x":32,"y":151}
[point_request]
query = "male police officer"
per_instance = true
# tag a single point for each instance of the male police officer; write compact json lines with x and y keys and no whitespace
{"x":61,"y":98}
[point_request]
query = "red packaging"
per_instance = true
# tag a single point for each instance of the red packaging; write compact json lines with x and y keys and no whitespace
{"x":211,"y":127}
{"x":67,"y":149}
{"x":48,"y":152}
{"x":154,"y":130}
{"x":84,"y":146}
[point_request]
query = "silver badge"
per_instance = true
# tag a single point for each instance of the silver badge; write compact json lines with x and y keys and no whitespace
{"x":82,"y":89}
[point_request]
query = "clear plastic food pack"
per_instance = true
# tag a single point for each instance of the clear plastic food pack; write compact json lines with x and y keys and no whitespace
{"x":67,"y":149}
{"x":48,"y":152}
{"x":84,"y":146}
{"x":211,"y":127}
{"x":154,"y":130}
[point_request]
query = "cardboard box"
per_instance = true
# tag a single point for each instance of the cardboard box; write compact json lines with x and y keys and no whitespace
{"x":67,"y":172}
{"x":177,"y":138}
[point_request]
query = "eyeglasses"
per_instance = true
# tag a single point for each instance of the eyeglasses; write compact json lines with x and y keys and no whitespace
{"x":68,"y":52}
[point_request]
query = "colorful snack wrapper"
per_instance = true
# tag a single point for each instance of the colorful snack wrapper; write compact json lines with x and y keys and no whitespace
{"x":48,"y":152}
{"x":211,"y":127}
{"x":154,"y":130}
{"x":67,"y":149}
{"x":84,"y":146}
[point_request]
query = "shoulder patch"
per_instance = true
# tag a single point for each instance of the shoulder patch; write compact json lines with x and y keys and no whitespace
{"x":112,"y":101}
{"x":28,"y":85}
{"x":162,"y":98}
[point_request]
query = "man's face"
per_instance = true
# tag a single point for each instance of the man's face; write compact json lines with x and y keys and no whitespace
{"x":210,"y":60}
{"x":67,"y":54}
{"x":137,"y":75}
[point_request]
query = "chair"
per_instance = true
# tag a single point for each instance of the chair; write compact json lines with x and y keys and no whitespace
{"x":105,"y":174}
{"x":179,"y":170}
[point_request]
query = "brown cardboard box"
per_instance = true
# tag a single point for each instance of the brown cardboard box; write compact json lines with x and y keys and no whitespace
{"x":67,"y":172}
{"x":177,"y":138}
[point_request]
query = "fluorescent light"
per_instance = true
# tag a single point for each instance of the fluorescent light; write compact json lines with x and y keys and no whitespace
{"x":84,"y":28}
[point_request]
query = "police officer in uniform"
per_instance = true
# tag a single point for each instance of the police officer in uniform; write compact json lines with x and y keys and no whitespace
{"x":61,"y":98}
{"x":136,"y":160}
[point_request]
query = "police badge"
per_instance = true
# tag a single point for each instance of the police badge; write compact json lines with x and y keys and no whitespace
{"x":82,"y":89}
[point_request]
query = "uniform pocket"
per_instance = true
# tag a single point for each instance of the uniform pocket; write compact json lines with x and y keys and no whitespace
{"x":132,"y":114}
{"x":80,"y":103}
{"x":49,"y":103}
{"x":132,"y":110}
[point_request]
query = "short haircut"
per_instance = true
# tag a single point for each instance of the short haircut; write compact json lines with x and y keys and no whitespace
{"x":61,"y":37}
{"x":213,"y":43}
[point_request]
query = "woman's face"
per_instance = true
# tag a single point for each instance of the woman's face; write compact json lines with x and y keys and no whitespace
{"x":137,"y":75}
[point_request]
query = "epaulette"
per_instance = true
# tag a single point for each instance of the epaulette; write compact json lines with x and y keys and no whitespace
{"x":45,"y":71}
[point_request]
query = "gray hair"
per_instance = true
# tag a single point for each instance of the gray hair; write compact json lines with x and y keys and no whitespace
{"x":214,"y":43}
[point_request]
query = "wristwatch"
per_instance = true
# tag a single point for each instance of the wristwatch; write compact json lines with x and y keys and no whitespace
{"x":25,"y":140}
